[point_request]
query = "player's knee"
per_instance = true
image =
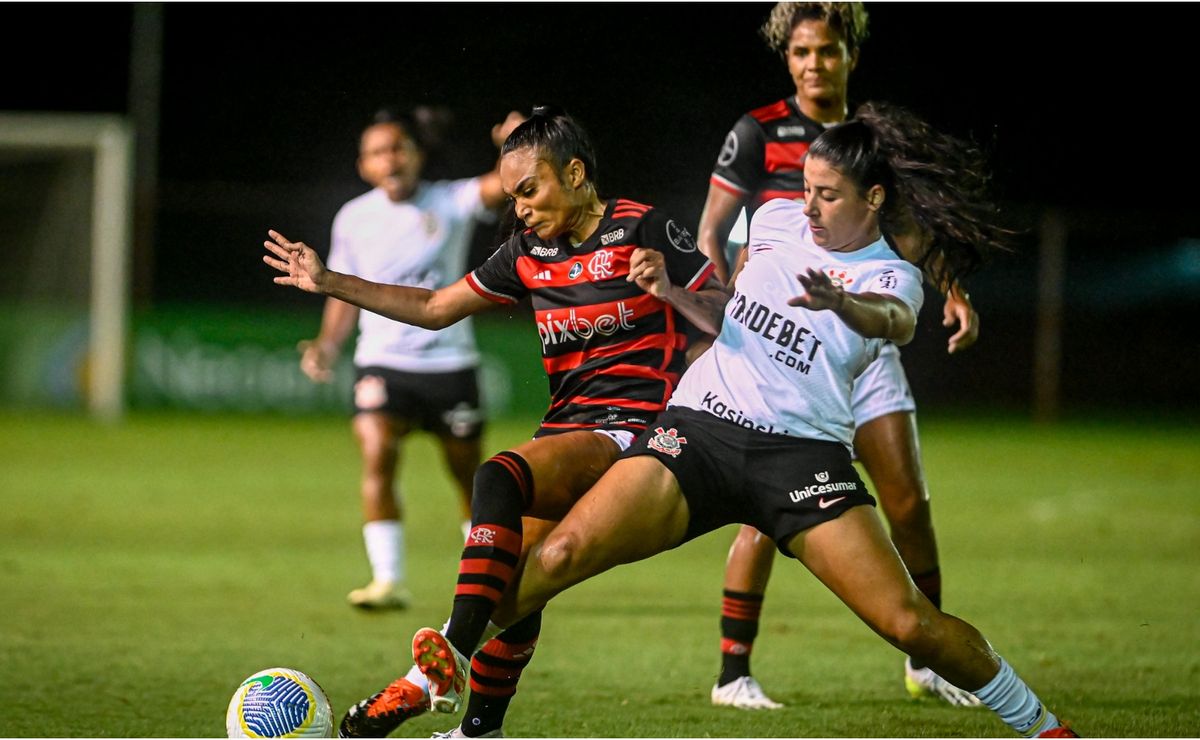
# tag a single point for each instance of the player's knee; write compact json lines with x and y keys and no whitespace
{"x":906,"y":504}
{"x":910,"y":628}
{"x":560,"y":555}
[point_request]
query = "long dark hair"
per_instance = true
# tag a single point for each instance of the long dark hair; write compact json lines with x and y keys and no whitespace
{"x":933,"y":181}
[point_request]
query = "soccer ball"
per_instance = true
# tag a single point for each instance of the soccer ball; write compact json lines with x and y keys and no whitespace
{"x":279,"y":702}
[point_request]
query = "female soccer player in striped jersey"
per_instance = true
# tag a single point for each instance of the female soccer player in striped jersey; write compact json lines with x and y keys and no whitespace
{"x":760,"y":429}
{"x":763,"y":157}
{"x":616,"y":287}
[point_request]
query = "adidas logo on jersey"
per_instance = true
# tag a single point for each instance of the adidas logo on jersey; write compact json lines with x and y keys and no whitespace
{"x":543,"y":275}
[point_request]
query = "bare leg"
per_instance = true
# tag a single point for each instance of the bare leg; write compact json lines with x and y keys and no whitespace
{"x":888,"y":448}
{"x":636,"y":510}
{"x":748,"y":567}
{"x":462,"y":457}
{"x":378,"y":437}
{"x":747,"y":570}
{"x":541,"y":478}
{"x":853,"y":557}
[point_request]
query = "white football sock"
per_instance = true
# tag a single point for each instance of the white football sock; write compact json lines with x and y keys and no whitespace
{"x":385,"y":549}
{"x":1008,"y":696}
{"x":490,"y":631}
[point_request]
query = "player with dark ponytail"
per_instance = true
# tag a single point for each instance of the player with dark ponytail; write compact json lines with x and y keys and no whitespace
{"x":946,"y":212}
{"x":617,"y":288}
{"x":764,"y":156}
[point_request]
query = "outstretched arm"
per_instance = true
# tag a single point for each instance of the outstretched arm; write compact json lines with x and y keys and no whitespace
{"x":429,"y":309}
{"x":705,"y":307}
{"x":957,"y":308}
{"x":872,"y":315}
{"x":720,"y":212}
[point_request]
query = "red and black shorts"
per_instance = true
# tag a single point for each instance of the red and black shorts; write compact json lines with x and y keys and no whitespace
{"x":778,"y":484}
{"x":441,"y":403}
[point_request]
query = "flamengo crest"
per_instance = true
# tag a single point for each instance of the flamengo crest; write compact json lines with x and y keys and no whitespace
{"x":667,"y":441}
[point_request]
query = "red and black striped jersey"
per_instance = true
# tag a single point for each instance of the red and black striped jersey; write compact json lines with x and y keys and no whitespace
{"x":612,"y":352}
{"x":763,"y":155}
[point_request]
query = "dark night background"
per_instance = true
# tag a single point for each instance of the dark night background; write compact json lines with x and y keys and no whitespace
{"x":1082,"y":107}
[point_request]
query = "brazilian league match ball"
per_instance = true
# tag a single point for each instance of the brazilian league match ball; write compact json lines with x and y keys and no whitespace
{"x":279,"y":702}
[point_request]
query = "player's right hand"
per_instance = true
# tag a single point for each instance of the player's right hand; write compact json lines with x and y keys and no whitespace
{"x":317,"y":360}
{"x":301,"y":266}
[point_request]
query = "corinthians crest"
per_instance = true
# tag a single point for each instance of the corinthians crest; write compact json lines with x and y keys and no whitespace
{"x":667,"y":441}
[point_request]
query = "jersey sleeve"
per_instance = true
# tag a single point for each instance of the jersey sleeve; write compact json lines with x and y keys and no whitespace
{"x":497,"y":279}
{"x":341,"y":256}
{"x":466,"y":198}
{"x":739,"y":168}
{"x":899,"y":279}
{"x":687,"y":266}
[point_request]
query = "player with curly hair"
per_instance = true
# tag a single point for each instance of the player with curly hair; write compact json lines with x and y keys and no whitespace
{"x":764,"y":157}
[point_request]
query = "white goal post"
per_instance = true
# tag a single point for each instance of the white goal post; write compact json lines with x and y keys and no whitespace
{"x":109,"y":139}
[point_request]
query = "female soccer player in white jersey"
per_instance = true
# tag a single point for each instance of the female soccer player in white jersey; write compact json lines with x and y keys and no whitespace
{"x":760,"y":428}
{"x":410,"y":231}
{"x":613,"y":285}
{"x":764,"y":157}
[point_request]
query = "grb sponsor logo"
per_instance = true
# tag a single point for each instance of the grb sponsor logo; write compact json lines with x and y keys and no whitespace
{"x":540,"y":251}
{"x":783,"y":131}
{"x":612,"y":236}
{"x":600,"y":265}
{"x":575,"y":270}
{"x":482,"y":536}
{"x":667,"y":441}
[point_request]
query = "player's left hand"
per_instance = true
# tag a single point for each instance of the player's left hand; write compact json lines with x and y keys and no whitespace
{"x":648,"y":268}
{"x":958,"y":310}
{"x":820,"y":292}
{"x":301,"y":266}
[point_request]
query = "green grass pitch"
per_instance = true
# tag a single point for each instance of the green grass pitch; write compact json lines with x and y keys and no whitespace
{"x":146,"y":569}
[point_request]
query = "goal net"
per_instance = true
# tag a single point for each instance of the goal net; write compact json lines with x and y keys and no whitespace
{"x":65,"y":220}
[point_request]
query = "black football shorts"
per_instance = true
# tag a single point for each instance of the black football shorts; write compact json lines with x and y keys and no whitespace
{"x":778,"y":484}
{"x":441,"y":403}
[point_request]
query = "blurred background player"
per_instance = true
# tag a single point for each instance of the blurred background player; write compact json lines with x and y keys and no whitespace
{"x":415,"y":232}
{"x":763,"y":158}
{"x":615,"y":286}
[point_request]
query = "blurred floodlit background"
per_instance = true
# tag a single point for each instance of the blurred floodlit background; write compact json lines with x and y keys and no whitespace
{"x":221,"y":121}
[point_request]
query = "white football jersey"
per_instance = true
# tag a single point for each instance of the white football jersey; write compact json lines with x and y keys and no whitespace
{"x":783,"y":369}
{"x":421,"y":242}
